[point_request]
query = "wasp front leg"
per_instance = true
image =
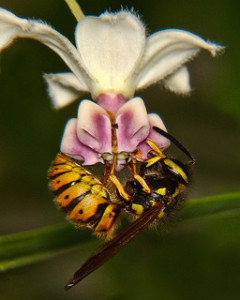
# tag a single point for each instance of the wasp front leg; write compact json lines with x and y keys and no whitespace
{"x":133,"y":168}
{"x":110,"y":175}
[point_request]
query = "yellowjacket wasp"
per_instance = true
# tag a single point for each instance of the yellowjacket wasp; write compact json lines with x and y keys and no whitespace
{"x":88,"y":203}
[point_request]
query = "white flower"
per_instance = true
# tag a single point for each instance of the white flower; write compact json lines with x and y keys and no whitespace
{"x":112,"y":56}
{"x":112,"y":59}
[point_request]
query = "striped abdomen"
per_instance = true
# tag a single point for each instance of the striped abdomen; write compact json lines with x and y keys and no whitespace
{"x":82,"y":196}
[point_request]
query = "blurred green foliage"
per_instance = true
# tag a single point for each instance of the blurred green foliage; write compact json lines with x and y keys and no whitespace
{"x":207,"y":122}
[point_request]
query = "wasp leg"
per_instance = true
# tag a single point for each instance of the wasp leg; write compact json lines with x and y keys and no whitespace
{"x":114,"y":178}
{"x":106,"y":172}
{"x":110,"y":174}
{"x":119,"y":187}
{"x":156,"y":151}
{"x":140,"y":179}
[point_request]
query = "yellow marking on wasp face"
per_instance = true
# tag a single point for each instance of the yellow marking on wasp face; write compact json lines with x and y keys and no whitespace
{"x":161,"y":214}
{"x":107,"y":219}
{"x":161,"y":191}
{"x":176,"y":168}
{"x":138,"y":208}
{"x":86,"y":208}
{"x":71,"y":193}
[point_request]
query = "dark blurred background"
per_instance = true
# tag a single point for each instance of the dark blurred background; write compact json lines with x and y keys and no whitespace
{"x":207,"y":122}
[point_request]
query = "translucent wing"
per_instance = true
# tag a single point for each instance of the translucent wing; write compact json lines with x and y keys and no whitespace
{"x":108,"y":250}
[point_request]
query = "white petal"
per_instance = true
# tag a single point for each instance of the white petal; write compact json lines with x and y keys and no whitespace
{"x":64,"y":88}
{"x":166,"y":51}
{"x":7,"y":31}
{"x":178,"y":82}
{"x":110,"y":47}
{"x":12,"y":27}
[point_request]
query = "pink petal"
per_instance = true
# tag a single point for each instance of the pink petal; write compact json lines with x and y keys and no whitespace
{"x":94,"y":127}
{"x":155,"y":121}
{"x":111,"y":102}
{"x":157,"y":138}
{"x":133,"y":125}
{"x":72,"y":147}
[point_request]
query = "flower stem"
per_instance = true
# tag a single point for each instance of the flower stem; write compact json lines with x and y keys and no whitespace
{"x":75,"y":9}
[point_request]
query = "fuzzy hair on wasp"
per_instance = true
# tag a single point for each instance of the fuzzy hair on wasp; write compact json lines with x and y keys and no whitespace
{"x":88,"y":203}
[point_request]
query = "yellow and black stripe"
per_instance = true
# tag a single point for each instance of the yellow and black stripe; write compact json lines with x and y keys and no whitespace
{"x":82,"y":196}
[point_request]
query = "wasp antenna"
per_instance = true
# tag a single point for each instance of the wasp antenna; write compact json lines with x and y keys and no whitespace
{"x":176,"y":142}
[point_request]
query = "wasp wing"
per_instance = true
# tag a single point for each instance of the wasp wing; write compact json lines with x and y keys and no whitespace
{"x":108,"y":250}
